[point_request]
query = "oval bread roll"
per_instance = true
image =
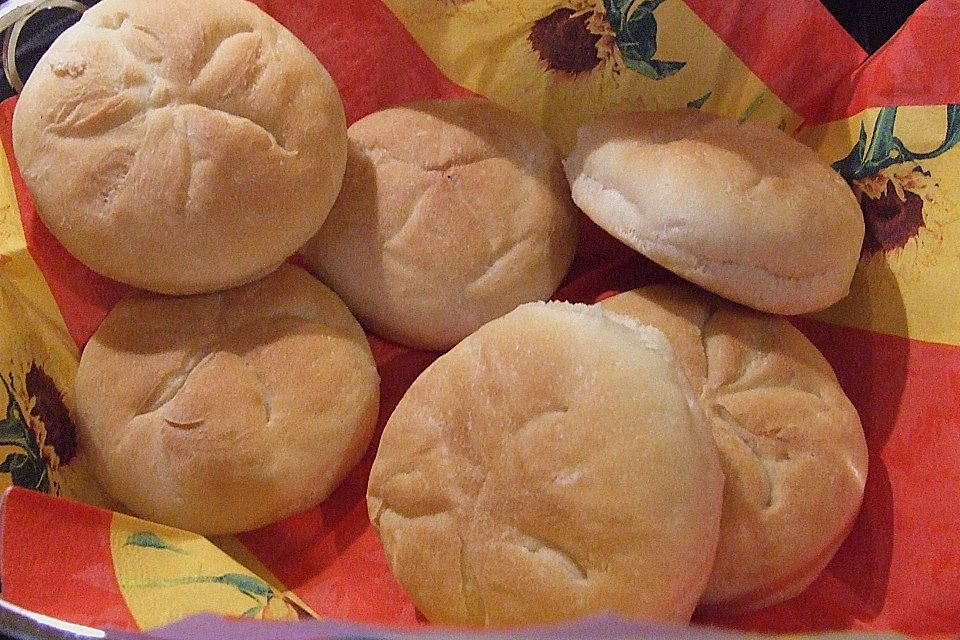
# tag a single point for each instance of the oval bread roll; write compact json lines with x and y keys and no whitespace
{"x":553,"y":464}
{"x":452,"y":213}
{"x":791,"y":444}
{"x":223,"y":412}
{"x":180,"y":146}
{"x":742,"y":210}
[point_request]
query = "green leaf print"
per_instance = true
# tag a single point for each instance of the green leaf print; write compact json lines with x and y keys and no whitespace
{"x":635,"y":32}
{"x":252,"y":612}
{"x":26,"y":468}
{"x":751,"y":109}
{"x":248,"y":585}
{"x":885,"y":149}
{"x":24,"y":471}
{"x":699,"y":102}
{"x":251,"y":586}
{"x":150,"y":540}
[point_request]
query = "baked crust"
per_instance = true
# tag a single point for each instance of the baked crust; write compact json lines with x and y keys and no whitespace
{"x":180,"y":146}
{"x":791,"y":444}
{"x":742,"y":210}
{"x":223,"y":412}
{"x":452,"y":213}
{"x":553,"y":464}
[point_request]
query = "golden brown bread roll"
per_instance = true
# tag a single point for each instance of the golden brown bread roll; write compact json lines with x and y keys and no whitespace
{"x":180,"y":146}
{"x":452,"y":213}
{"x":791,"y":444}
{"x":553,"y":464}
{"x":223,"y":412}
{"x":742,"y":210}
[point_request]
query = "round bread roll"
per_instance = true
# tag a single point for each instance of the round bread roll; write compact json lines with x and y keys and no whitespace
{"x":224,"y":412}
{"x":180,"y":146}
{"x":452,"y":213}
{"x":791,"y":443}
{"x":553,"y":464}
{"x":742,"y":210}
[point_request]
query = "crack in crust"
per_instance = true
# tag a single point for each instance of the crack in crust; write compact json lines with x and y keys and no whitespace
{"x":793,"y":385}
{"x":262,"y":388}
{"x":552,"y":553}
{"x":169,"y":386}
{"x":107,"y":112}
{"x":472,"y":591}
{"x":392,"y":243}
{"x":173,"y":382}
{"x":275,"y":143}
{"x":752,"y":440}
{"x":541,"y":418}
{"x":385,"y":509}
{"x":473,"y":601}
{"x":378,"y":154}
{"x":213,"y":45}
{"x":707,"y":318}
{"x":148,"y":52}
{"x":712,"y":401}
{"x":496,"y":256}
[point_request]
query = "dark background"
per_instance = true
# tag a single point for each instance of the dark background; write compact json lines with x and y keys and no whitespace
{"x":870,"y":22}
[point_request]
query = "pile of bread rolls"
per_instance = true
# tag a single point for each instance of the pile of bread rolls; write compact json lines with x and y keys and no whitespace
{"x":665,"y":449}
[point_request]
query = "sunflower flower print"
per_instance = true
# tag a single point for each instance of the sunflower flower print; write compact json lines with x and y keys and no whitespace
{"x":24,"y":463}
{"x":36,"y":429}
{"x":617,"y":34}
{"x":904,"y":208}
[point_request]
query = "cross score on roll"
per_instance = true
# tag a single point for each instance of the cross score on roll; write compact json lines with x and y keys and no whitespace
{"x":661,"y":451}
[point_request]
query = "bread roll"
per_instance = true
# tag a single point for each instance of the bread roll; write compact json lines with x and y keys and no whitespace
{"x":742,"y":210}
{"x":180,"y":146}
{"x":452,"y":213}
{"x":791,"y":444}
{"x":553,"y":464}
{"x":223,"y":412}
